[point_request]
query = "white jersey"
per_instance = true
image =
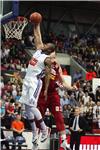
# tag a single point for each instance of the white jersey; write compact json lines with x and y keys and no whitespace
{"x":32,"y":83}
{"x":36,"y":64}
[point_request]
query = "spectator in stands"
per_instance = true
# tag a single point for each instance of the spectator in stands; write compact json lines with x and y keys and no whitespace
{"x":48,"y":118}
{"x":89,"y":117}
{"x":18,"y":127}
{"x":91,"y":74}
{"x":10,"y":108}
{"x":82,"y":109}
{"x":13,"y":55}
{"x":10,"y":113}
{"x":66,"y":114}
{"x":98,"y":94}
{"x":77,"y":75}
{"x":64,"y":100}
{"x":23,"y":68}
{"x":96,"y":115}
{"x":79,"y":94}
{"x":85,"y":98}
{"x":64,"y":71}
{"x":90,"y":103}
{"x":14,"y":92}
{"x":97,"y":68}
{"x":78,"y":126}
{"x":17,"y":109}
{"x":8,"y":86}
{"x":18,"y":96}
{"x":72,"y":100}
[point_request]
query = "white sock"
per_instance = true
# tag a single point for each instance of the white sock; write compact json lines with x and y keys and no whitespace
{"x":34,"y":128}
{"x":64,"y":140}
{"x":31,"y":116}
{"x":63,"y":137}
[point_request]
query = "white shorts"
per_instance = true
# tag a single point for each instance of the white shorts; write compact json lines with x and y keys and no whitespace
{"x":30,"y":91}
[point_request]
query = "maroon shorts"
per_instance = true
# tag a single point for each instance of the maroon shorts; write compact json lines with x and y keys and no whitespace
{"x":53,"y":103}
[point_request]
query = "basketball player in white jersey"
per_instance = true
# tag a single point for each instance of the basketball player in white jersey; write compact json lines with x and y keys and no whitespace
{"x":32,"y":83}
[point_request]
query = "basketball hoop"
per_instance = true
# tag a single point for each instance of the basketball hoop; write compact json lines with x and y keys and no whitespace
{"x":14,"y":29}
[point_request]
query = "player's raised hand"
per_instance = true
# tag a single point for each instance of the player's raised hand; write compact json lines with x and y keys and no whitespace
{"x":17,"y":75}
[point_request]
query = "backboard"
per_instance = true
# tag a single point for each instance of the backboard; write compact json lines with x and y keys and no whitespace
{"x":8,"y":10}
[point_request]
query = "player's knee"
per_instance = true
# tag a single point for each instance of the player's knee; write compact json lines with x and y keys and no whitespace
{"x":60,"y":123}
{"x":38,"y":122}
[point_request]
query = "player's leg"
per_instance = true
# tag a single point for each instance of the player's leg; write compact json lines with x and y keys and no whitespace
{"x":42,"y":104}
{"x":34,"y":95}
{"x":32,"y":122}
{"x":25,"y":99}
{"x":56,"y":111}
{"x":41,"y":123}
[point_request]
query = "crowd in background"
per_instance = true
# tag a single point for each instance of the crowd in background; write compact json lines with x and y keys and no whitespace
{"x":86,"y":51}
{"x":88,"y":102}
{"x":13,"y":56}
{"x":84,"y":97}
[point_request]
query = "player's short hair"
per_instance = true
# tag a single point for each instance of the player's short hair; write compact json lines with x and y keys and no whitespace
{"x":52,"y":46}
{"x":49,"y":48}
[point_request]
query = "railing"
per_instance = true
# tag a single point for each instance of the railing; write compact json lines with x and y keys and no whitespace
{"x":76,"y":67}
{"x":88,"y":142}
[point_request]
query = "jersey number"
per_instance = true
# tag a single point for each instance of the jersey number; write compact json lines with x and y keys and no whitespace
{"x":33,"y":61}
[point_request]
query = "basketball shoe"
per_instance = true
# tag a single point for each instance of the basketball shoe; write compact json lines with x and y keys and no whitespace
{"x":35,"y":146}
{"x":35,"y":137}
{"x":44,"y":135}
{"x":64,"y":145}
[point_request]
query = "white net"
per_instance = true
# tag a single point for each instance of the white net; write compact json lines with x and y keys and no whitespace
{"x":14,"y":29}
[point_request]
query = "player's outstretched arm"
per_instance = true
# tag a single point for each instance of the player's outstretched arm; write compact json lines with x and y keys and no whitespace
{"x":37,"y":36}
{"x":64,"y":83}
{"x":47,"y":75}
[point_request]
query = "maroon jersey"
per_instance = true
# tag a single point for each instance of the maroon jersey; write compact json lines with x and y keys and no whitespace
{"x":54,"y":77}
{"x":53,"y":99}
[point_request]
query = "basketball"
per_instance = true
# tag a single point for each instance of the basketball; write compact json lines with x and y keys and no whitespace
{"x":36,"y":17}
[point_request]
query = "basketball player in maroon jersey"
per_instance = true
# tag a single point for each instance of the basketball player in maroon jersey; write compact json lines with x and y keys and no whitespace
{"x":53,"y":99}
